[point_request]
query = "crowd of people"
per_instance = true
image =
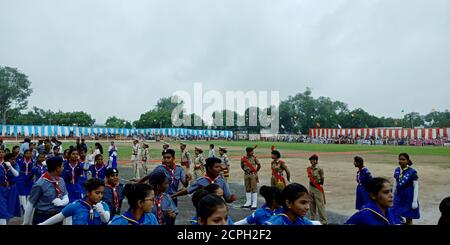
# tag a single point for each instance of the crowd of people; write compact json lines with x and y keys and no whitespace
{"x":378,"y":141}
{"x":46,"y":187}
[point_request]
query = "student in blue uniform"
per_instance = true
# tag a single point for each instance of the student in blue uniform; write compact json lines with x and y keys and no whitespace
{"x":113,"y":194}
{"x":112,"y":152}
{"x":87,"y":211}
{"x":363,"y":177}
{"x":444,"y":207}
{"x":378,"y":211}
{"x":84,"y":173}
{"x":164,"y":209}
{"x":200,"y":193}
{"x":72,"y":173}
{"x":213,"y":168}
{"x":98,"y":170}
{"x":271,"y":195}
{"x":295,"y":201}
{"x":212,"y":210}
{"x":175,"y":174}
{"x":39,"y":167}
{"x":406,"y":190}
{"x":140,"y":199}
{"x":48,"y":195}
{"x":25,"y":178}
{"x":9,"y":206}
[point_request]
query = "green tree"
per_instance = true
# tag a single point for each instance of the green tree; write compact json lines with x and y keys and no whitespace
{"x":115,"y":122}
{"x":14,"y":91}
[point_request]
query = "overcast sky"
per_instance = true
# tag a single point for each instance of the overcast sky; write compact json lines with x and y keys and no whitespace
{"x":119,"y":57}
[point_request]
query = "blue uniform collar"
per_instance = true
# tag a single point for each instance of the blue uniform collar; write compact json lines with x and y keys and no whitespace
{"x":373,"y":207}
{"x":131,"y":220}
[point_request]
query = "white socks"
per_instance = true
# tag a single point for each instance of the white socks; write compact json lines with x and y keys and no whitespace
{"x":254,"y":199}
{"x":248,"y":202}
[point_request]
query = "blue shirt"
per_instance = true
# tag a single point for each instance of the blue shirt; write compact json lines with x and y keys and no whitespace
{"x":128,"y":219}
{"x":38,"y":171}
{"x":80,"y":212}
{"x":263,"y":214}
{"x":108,"y":197}
{"x":371,"y":214}
{"x":97,"y":172}
{"x":282,"y":219}
{"x":203,"y":181}
{"x":43,"y":193}
{"x":167,"y":204}
{"x":179,"y":175}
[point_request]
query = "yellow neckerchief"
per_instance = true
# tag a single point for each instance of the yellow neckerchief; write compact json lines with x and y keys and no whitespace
{"x":402,"y":171}
{"x":130,"y":220}
{"x":375,"y":212}
{"x":91,"y":210}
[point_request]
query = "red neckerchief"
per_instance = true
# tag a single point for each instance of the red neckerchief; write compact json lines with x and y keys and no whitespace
{"x":48,"y":177}
{"x":172,"y":172}
{"x":26,"y":165}
{"x":211,"y":181}
{"x":6,"y":171}
{"x":97,"y":170}
{"x":73,"y":171}
{"x":116,"y":196}
{"x":158,"y":202}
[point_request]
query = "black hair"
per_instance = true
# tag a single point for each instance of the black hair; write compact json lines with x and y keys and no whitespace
{"x":97,"y":157}
{"x":212,"y":188}
{"x":211,"y":145}
{"x":291,"y":193}
{"x":53,"y":163}
{"x":270,"y":193}
{"x":198,"y":195}
{"x":208,"y":205}
{"x":444,"y":207}
{"x":40,"y":142}
{"x":15,"y":147}
{"x":8,"y":157}
{"x":100,"y":147}
{"x":136,"y":192}
{"x":157,"y":178}
{"x":27,"y":140}
{"x":210,"y":162}
{"x":276,"y":153}
{"x":374,"y":185}
{"x":25,"y":151}
{"x":93,"y":184}
{"x":405,"y":155}
{"x":359,"y":160}
{"x":249,"y":149}
{"x":168,"y":151}
{"x":70,"y":151}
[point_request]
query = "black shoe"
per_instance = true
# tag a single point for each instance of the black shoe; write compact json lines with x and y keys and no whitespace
{"x":243,"y":206}
{"x":253,"y":208}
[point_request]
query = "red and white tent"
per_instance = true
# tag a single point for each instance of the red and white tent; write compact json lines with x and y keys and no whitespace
{"x":419,"y":133}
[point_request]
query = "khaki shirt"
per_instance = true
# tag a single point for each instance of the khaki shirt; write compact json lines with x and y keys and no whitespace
{"x":318,"y":174}
{"x":199,"y":162}
{"x":145,"y":155}
{"x":253,"y":161}
{"x":185,"y":156}
{"x":135,"y":149}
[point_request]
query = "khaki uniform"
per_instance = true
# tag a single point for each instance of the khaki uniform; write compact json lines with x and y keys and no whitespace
{"x":225,"y":173}
{"x":199,"y":166}
{"x":278,"y":167}
{"x":135,"y":160}
{"x":317,"y":204}
{"x":186,"y":160}
{"x":145,"y":158}
{"x":250,"y":178}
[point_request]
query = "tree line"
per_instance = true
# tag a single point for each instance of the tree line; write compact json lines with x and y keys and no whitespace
{"x":297,"y":113}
